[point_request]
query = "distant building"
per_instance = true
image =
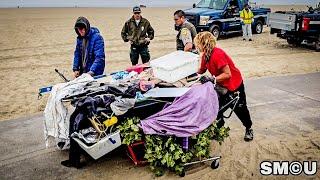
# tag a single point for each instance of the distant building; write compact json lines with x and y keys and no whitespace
{"x":143,"y":6}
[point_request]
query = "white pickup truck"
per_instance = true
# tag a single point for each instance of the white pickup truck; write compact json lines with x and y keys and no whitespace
{"x":296,"y":27}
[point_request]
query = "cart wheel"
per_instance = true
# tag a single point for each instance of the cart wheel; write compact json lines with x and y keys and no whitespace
{"x":183,"y":173}
{"x":215,"y":164}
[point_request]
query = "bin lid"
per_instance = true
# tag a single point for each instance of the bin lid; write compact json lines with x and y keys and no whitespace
{"x":166,"y":92}
{"x":174,"y":60}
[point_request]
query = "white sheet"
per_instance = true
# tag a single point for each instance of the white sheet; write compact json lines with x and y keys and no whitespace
{"x":56,"y":122}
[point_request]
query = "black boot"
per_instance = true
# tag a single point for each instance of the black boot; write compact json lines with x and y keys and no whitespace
{"x":74,"y":155}
{"x":69,"y":163}
{"x":248,"y":136}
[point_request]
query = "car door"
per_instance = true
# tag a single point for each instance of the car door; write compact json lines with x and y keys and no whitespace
{"x":233,"y":16}
{"x":237,"y":24}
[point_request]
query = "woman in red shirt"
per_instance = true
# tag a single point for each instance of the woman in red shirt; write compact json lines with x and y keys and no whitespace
{"x":226,"y":74}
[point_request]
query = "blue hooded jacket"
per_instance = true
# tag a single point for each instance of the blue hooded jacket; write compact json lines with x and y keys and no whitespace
{"x":95,"y":57}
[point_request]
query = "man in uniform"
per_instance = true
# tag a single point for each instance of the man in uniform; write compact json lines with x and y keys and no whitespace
{"x":138,"y":32}
{"x":246,"y":17}
{"x":186,"y":32}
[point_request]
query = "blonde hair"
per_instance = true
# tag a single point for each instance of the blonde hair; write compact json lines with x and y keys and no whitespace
{"x":205,"y":42}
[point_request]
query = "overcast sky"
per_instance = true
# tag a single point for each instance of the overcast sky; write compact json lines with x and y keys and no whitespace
{"x":126,"y":3}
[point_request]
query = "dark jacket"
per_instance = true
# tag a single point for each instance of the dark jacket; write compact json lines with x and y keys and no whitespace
{"x":137,"y":34}
{"x":91,"y":58}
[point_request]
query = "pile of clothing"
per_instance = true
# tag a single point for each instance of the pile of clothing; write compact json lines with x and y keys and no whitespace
{"x":120,"y":92}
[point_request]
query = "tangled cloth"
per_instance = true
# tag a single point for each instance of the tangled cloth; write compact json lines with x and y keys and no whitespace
{"x":187,"y":116}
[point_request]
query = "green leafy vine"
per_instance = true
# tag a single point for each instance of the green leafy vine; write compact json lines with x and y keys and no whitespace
{"x":165,"y":152}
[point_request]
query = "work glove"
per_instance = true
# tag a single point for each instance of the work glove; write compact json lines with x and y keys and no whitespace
{"x":205,"y":79}
{"x":221,"y":90}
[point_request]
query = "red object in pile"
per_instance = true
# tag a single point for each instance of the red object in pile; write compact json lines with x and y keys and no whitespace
{"x":136,"y":153}
{"x":138,"y":68}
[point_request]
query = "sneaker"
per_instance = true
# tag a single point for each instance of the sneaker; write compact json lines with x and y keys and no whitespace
{"x":244,"y":39}
{"x":250,"y":39}
{"x":248,"y":135}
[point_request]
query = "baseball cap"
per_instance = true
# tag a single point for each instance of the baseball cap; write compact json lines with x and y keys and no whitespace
{"x":136,"y":9}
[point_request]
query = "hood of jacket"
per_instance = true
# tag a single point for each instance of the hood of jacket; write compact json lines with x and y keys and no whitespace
{"x":83,"y":21}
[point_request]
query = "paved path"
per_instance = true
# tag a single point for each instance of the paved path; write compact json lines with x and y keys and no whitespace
{"x":24,"y":156}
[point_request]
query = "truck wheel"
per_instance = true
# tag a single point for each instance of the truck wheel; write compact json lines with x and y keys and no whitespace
{"x":290,"y":41}
{"x":294,"y":41}
{"x":318,"y":46}
{"x":298,"y":41}
{"x":215,"y":30}
{"x":258,"y":28}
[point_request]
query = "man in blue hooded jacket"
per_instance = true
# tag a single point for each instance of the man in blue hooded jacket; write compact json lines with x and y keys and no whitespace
{"x":89,"y":54}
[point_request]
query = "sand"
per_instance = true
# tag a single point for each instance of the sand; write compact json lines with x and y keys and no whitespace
{"x":35,"y":41}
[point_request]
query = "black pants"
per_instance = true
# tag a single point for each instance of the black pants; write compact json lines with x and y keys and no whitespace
{"x":75,"y":150}
{"x":241,"y":109}
{"x":143,"y":51}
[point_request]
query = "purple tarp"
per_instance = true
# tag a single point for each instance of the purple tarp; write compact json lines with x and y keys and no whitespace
{"x":186,"y":116}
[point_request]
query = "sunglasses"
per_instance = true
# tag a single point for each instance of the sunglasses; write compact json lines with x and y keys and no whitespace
{"x":176,"y":19}
{"x":136,"y":13}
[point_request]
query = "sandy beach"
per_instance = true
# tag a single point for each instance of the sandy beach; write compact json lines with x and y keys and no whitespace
{"x":35,"y":41}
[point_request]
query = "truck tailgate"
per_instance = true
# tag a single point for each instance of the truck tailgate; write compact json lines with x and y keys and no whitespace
{"x":282,"y":21}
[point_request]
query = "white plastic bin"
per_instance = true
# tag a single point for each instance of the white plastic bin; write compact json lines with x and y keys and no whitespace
{"x":104,"y":146}
{"x":175,"y":66}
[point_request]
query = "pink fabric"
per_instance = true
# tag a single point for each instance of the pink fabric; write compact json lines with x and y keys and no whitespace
{"x":137,"y":68}
{"x":146,"y":85}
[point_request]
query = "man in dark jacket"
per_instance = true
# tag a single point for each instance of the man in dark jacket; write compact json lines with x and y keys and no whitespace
{"x":138,"y":32}
{"x":89,"y":54}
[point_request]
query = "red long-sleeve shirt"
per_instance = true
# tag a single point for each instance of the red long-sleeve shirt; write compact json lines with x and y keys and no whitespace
{"x":218,"y":60}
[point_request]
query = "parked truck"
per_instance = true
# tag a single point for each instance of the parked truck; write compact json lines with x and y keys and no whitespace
{"x":297,"y":26}
{"x":222,"y":17}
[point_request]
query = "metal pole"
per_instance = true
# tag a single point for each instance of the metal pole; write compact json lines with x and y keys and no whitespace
{"x":209,"y":159}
